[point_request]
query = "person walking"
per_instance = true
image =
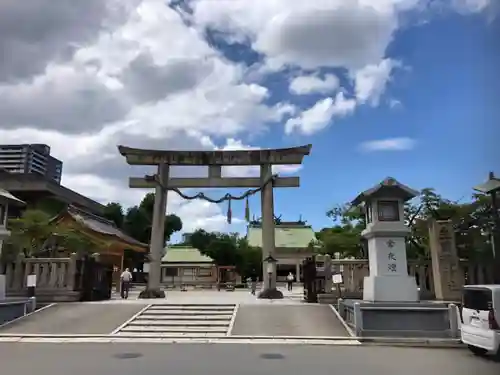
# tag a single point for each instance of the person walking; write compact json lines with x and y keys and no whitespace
{"x":289,"y":280}
{"x":253,"y":282}
{"x":125,"y":279}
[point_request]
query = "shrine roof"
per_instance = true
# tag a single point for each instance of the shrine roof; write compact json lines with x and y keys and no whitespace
{"x":102,"y":226}
{"x":388,"y":188}
{"x":9,"y":197}
{"x":489,"y":186}
{"x":286,"y":236}
{"x":293,"y":155}
{"x":185,"y":254}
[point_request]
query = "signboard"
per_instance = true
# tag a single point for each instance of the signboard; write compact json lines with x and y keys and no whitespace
{"x":337,"y":278}
{"x":31,"y":281}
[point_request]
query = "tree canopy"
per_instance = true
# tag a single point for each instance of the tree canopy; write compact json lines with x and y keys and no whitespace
{"x":228,"y":250}
{"x":472,"y":221}
{"x":136,"y":221}
{"x":35,"y":234}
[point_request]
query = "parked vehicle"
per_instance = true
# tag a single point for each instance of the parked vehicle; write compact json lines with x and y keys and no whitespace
{"x":480,"y":319}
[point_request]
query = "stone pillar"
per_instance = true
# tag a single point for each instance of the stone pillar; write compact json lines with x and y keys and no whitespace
{"x":297,"y":271}
{"x":267,"y":208}
{"x":157,"y":242}
{"x":447,"y":275}
{"x":328,"y":273}
{"x":3,"y":287}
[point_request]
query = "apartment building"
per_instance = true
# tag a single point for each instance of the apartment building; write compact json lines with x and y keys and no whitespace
{"x":30,"y":159}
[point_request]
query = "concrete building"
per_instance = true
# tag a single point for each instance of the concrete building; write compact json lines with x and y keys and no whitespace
{"x":30,"y":159}
{"x":46,"y":194}
{"x":292,"y":246}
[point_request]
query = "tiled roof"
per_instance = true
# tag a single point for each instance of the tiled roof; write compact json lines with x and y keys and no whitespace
{"x":181,"y":254}
{"x":101,"y":225}
{"x":286,"y":236}
{"x":5,"y":194}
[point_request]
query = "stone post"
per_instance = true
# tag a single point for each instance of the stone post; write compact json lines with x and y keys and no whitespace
{"x":328,"y":273}
{"x":267,"y":208}
{"x":19,"y":273}
{"x":447,"y":275}
{"x":157,"y":242}
{"x":72,"y":272}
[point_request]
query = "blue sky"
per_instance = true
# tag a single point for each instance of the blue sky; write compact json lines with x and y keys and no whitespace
{"x":401,"y":88}
{"x":444,"y":93}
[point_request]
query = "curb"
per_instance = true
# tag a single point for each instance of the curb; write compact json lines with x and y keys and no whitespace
{"x":413,"y":343}
{"x":308,"y":340}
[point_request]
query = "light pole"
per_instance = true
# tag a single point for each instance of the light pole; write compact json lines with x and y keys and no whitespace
{"x":492,"y":188}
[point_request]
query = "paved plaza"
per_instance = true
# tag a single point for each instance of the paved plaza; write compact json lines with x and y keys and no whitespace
{"x":194,"y":359}
{"x":191,"y":314}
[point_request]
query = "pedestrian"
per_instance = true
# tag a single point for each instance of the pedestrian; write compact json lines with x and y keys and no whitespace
{"x":125,"y":279}
{"x":289,"y":280}
{"x":253,"y":282}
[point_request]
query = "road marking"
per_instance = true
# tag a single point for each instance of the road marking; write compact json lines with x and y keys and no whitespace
{"x":25,"y":316}
{"x":346,"y":326}
{"x":120,"y":327}
{"x":233,"y":318}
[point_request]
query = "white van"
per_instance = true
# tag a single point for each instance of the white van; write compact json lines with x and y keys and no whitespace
{"x":480,"y":318}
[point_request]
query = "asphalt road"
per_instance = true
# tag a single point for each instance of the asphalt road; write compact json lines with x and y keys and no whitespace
{"x":241,"y":359}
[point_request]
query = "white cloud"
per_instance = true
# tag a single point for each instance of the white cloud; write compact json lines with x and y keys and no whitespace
{"x":310,"y":84}
{"x":241,"y":171}
{"x":88,"y":75}
{"x":312,"y":34}
{"x":320,"y":115}
{"x":389,"y":144}
{"x":370,"y":81}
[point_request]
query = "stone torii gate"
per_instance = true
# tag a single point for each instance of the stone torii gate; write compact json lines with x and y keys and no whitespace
{"x":215,"y":160}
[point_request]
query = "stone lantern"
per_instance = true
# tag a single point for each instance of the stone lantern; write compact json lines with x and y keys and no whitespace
{"x":385,"y":233}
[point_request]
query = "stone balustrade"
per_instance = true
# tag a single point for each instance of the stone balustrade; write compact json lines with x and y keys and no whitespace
{"x":55,"y":277}
{"x":354,"y":271}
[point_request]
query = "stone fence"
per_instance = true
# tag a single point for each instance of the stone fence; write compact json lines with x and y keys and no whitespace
{"x":354,"y":271}
{"x":55,"y":278}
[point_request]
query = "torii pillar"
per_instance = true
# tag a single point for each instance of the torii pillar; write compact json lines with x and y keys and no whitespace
{"x":215,"y":160}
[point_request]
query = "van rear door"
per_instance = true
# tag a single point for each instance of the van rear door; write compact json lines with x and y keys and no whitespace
{"x":477,"y":304}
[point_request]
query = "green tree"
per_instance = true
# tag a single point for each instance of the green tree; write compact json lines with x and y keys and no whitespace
{"x":228,"y":250}
{"x":471,"y":220}
{"x":114,"y":212}
{"x":30,"y":231}
{"x":138,"y":219}
{"x":35,"y":234}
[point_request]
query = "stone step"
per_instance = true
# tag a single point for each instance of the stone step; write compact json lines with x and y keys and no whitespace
{"x":190,"y":308}
{"x":172,"y":334}
{"x":194,"y":305}
{"x":187,"y":313}
{"x":180,"y":323}
{"x":166,"y":317}
{"x":187,"y":329}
